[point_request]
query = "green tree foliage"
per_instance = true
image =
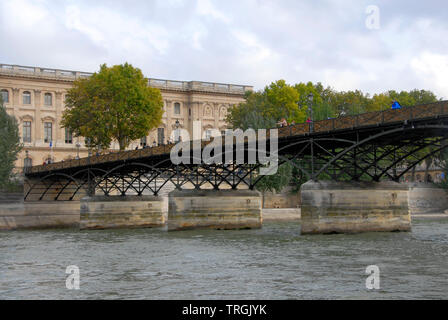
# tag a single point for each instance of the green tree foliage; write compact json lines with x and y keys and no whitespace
{"x":113,"y":104}
{"x":251,"y":114}
{"x":9,"y":145}
{"x":278,"y":181}
{"x":283,"y":102}
{"x":263,"y":109}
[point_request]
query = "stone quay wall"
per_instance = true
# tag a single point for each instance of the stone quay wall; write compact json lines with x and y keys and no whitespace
{"x":427,"y":198}
{"x":15,"y":214}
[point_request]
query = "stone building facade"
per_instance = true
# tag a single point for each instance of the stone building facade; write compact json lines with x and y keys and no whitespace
{"x":35,"y":96}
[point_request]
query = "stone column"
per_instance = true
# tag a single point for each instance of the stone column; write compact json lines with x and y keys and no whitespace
{"x":59,"y":133}
{"x":169,"y":110}
{"x":15,"y":99}
{"x":214,"y":209}
{"x":354,"y":207}
{"x":38,"y":138}
{"x":216,"y":115}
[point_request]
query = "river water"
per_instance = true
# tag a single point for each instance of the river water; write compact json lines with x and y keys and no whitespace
{"x":275,"y":262}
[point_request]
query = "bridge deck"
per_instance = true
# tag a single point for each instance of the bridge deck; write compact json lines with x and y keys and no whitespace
{"x":378,"y":119}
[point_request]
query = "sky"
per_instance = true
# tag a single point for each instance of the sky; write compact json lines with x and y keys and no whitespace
{"x":373,"y":45}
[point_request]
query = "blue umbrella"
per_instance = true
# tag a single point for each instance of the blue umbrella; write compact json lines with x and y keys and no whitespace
{"x":396,"y":105}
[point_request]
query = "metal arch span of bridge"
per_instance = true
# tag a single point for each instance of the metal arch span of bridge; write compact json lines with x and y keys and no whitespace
{"x":365,"y":147}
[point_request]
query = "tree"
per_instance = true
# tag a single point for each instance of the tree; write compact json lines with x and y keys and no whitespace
{"x":278,"y":181}
{"x":9,"y":145}
{"x":113,"y":104}
{"x":262,"y":110}
{"x":283,"y":102}
{"x":251,"y":114}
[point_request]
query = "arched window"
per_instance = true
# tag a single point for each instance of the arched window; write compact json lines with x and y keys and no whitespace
{"x":48,"y":99}
{"x":26,"y":97}
{"x":5,"y":95}
{"x":177,"y":108}
{"x":223,"y":112}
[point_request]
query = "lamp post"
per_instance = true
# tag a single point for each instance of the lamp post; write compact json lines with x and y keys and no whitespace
{"x":310,"y":106}
{"x":176,"y":136}
{"x":78,"y":145}
{"x":26,"y":164}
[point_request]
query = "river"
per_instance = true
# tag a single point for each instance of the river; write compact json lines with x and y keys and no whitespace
{"x":275,"y":262}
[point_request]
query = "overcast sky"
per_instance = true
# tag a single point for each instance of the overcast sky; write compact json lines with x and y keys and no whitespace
{"x":250,"y":42}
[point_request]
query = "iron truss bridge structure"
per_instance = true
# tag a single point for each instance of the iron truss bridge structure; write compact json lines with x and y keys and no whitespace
{"x":369,"y":146}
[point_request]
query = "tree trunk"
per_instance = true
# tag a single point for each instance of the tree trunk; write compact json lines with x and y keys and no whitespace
{"x":122,"y":143}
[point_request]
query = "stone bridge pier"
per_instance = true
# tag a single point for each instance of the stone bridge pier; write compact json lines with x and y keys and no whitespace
{"x":130,"y":211}
{"x":214,"y":209}
{"x":354,"y":207}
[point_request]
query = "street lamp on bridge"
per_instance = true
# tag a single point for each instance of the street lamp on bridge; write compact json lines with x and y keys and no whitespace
{"x":310,"y":107}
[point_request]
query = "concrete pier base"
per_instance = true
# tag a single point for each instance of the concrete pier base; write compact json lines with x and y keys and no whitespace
{"x":214,"y":209}
{"x":354,"y":207}
{"x":101,"y":212}
{"x":39,"y":215}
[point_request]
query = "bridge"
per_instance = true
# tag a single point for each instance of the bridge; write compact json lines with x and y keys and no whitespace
{"x":360,"y":152}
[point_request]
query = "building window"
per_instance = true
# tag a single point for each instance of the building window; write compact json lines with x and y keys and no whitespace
{"x":27,"y":131}
{"x":26,"y":97}
{"x":5,"y":96}
{"x":160,"y":136}
{"x":208,"y":134}
{"x":189,"y":111}
{"x":48,"y":132}
{"x":68,"y":136}
{"x":143,"y":142}
{"x":27,"y":163}
{"x":177,"y":108}
{"x":177,"y":136}
{"x":48,"y":99}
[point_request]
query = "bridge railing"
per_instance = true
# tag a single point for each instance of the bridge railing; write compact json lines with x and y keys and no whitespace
{"x":341,"y":123}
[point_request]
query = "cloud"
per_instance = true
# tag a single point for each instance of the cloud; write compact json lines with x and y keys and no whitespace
{"x":433,"y":70}
{"x":207,"y":9}
{"x":248,"y":42}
